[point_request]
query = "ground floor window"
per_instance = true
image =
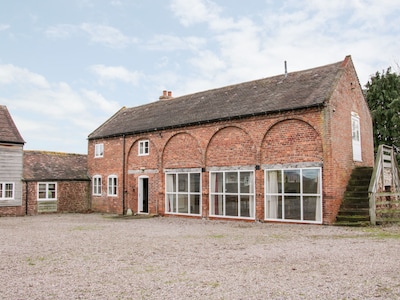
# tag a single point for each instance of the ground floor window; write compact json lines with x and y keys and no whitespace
{"x":6,"y":190}
{"x":293,"y":195}
{"x":97,"y":185}
{"x":183,"y":193}
{"x":232,"y":194}
{"x":47,"y":191}
{"x":112,"y":189}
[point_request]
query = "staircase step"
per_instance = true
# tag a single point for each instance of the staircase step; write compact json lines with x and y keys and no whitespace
{"x":354,"y":210}
{"x":352,"y":218}
{"x":364,"y":211}
{"x":353,"y":224}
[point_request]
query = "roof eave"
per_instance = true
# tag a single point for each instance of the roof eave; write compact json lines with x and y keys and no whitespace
{"x":229,"y":118}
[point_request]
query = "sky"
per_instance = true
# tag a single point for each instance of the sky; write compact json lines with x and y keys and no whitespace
{"x":66,"y":66}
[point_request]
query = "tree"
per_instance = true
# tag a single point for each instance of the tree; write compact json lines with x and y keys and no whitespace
{"x":383,"y":97}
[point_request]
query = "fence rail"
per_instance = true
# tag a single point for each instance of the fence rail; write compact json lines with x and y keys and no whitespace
{"x":384,"y":188}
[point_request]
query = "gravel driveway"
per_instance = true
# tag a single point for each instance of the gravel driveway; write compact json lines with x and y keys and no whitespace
{"x":93,"y":256}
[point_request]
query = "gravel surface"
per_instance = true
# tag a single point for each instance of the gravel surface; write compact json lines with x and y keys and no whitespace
{"x":93,"y":256}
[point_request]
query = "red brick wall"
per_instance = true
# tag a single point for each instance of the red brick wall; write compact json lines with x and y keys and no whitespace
{"x":72,"y":196}
{"x":320,"y":135}
{"x":338,"y":154}
{"x":12,"y":211}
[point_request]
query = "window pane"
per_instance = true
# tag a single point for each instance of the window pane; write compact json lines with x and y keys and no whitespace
{"x":9,"y":190}
{"x":274,"y":182}
{"x":170,"y":203}
{"x":310,"y":181}
{"x":292,"y":181}
{"x":42,"y":191}
{"x":217,"y":205}
{"x":231,"y":185}
{"x":195,"y":204}
{"x":232,"y":206}
{"x":171,"y":183}
{"x":182,"y":182}
{"x":52,"y":191}
{"x":183,"y":203}
{"x":195,"y":182}
{"x":245,"y":182}
{"x":1,"y":190}
{"x":245,"y":206}
{"x":292,"y":208}
{"x":273,"y":207}
{"x":311,"y":208}
{"x":217,"y":182}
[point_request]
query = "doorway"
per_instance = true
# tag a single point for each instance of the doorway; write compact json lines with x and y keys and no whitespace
{"x":143,"y":199}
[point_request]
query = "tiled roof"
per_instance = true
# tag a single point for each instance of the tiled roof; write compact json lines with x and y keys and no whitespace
{"x":297,"y":90}
{"x":43,"y":165}
{"x":8,"y":131}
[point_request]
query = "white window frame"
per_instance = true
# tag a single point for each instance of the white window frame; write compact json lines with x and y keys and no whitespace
{"x":282,"y":194}
{"x":47,"y":191}
{"x":97,"y":185}
{"x":222,"y":195}
{"x":4,"y":190}
{"x":99,"y":150}
{"x":144,"y":147}
{"x":172,"y":195}
{"x":356,"y":136}
{"x":112,"y":185}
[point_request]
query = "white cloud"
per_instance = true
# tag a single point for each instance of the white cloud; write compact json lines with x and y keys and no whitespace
{"x":10,"y":74}
{"x":61,"y":31}
{"x":106,"y":35}
{"x":97,"y":33}
{"x":4,"y":27}
{"x":165,"y":42}
{"x":116,"y":73}
{"x":53,"y":112}
{"x":99,"y":101}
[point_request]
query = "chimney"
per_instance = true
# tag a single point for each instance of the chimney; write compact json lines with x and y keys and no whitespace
{"x":166,"y":95}
{"x":285,"y":69}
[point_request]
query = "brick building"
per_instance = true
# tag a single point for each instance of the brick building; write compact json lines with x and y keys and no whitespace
{"x":55,"y":182}
{"x":275,"y":149}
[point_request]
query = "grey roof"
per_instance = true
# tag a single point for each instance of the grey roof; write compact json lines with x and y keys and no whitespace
{"x":8,"y":131}
{"x":297,"y":90}
{"x":54,"y":166}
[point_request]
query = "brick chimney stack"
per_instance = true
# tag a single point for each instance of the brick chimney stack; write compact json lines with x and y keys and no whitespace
{"x":167,"y":95}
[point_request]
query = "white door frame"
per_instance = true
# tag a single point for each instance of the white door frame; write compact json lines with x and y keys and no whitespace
{"x":141,"y":194}
{"x":356,"y":136}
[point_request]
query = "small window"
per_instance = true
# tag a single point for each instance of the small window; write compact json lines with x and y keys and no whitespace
{"x":6,"y":190}
{"x":96,"y":185}
{"x":112,"y":185}
{"x":99,"y":150}
{"x":144,"y":147}
{"x":47,"y":191}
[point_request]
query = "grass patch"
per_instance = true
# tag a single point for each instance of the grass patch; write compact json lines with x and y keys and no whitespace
{"x":84,"y":228}
{"x":381,"y":233}
{"x":217,"y":236}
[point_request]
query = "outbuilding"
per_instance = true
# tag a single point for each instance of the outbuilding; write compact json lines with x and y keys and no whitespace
{"x":277,"y":149}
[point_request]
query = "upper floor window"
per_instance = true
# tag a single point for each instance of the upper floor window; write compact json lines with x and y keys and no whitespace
{"x":99,"y":150}
{"x":112,"y":185}
{"x":144,"y":147}
{"x":47,"y":191}
{"x":96,"y":185}
{"x":6,"y":190}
